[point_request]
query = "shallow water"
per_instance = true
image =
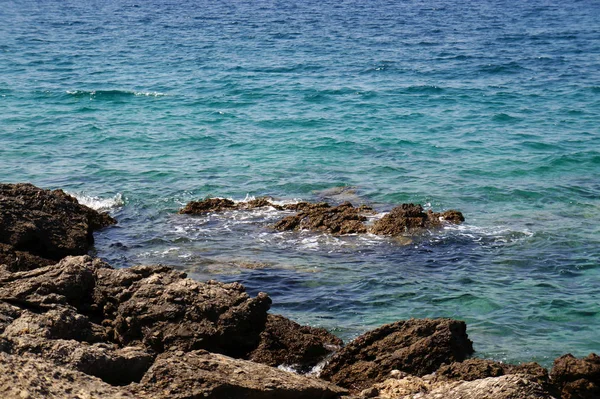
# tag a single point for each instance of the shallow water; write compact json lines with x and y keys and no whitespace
{"x":490,"y":108}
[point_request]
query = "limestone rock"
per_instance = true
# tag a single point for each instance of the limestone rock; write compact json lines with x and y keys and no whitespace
{"x":341,"y":219}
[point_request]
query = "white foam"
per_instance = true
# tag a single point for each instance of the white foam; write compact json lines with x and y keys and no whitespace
{"x":100,"y":204}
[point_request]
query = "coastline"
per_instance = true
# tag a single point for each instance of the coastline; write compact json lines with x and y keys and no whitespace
{"x":137,"y":330}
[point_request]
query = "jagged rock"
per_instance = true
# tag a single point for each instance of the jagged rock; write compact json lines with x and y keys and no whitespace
{"x":504,"y":387}
{"x":475,"y":369}
{"x":408,"y":217}
{"x":168,"y":312}
{"x":284,"y":342}
{"x":28,"y":377}
{"x":415,"y":346}
{"x":200,"y":374}
{"x":577,"y":378}
{"x":45,"y":224}
{"x":70,"y":282}
{"x":341,"y":219}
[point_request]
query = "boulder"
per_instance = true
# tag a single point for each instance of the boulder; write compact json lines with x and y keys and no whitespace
{"x":45,"y":224}
{"x":341,"y":219}
{"x":415,"y":346}
{"x":284,"y":342}
{"x":409,"y":217}
{"x":503,"y":387}
{"x":577,"y":378}
{"x":200,"y":374}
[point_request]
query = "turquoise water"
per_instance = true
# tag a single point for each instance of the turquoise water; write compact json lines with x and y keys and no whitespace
{"x":492,"y":108}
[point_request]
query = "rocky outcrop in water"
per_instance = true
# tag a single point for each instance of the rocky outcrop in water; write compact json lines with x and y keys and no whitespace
{"x":416,"y":347}
{"x":410,"y":217}
{"x":341,"y":219}
{"x":39,"y":227}
{"x":577,"y":378}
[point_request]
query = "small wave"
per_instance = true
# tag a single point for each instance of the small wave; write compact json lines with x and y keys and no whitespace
{"x":100,"y":204}
{"x":112,"y":94}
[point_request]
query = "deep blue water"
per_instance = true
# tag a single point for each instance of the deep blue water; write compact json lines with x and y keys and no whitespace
{"x":489,"y":107}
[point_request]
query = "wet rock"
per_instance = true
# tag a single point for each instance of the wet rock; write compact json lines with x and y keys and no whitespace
{"x":341,"y":219}
{"x":223,"y":204}
{"x":284,"y":342}
{"x":45,"y":224}
{"x":208,"y":205}
{"x":504,"y":387}
{"x":198,"y":374}
{"x":409,"y":217}
{"x":415,"y":346}
{"x":28,"y":377}
{"x":577,"y":378}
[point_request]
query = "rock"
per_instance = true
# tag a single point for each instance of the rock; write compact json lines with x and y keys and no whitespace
{"x":475,"y":369}
{"x":415,"y":346}
{"x":45,"y":224}
{"x":223,"y":204}
{"x":341,"y":219}
{"x":200,"y":374}
{"x":23,"y":377}
{"x":284,"y":342}
{"x":70,"y":282}
{"x":577,"y":378}
{"x":409,"y":217}
{"x":504,"y":387}
{"x":166,"y":311}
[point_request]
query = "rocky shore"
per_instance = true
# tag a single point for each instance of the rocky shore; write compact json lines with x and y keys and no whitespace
{"x":71,"y":326}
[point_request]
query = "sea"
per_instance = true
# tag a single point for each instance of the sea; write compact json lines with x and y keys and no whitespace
{"x":489,"y":107}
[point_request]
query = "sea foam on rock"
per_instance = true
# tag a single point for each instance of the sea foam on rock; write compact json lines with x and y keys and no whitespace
{"x":340,"y":220}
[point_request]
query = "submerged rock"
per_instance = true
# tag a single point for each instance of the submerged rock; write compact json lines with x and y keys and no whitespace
{"x":40,"y":226}
{"x":200,"y":374}
{"x":577,"y":378}
{"x":284,"y":342}
{"x":409,"y":217}
{"x":415,"y":346}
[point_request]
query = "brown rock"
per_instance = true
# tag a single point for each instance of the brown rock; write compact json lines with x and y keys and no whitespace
{"x":200,"y":374}
{"x":409,"y":217}
{"x":577,"y":378}
{"x":284,"y":342}
{"x":208,"y":205}
{"x":223,"y":204}
{"x":46,"y":224}
{"x":415,"y":346}
{"x":341,"y":219}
